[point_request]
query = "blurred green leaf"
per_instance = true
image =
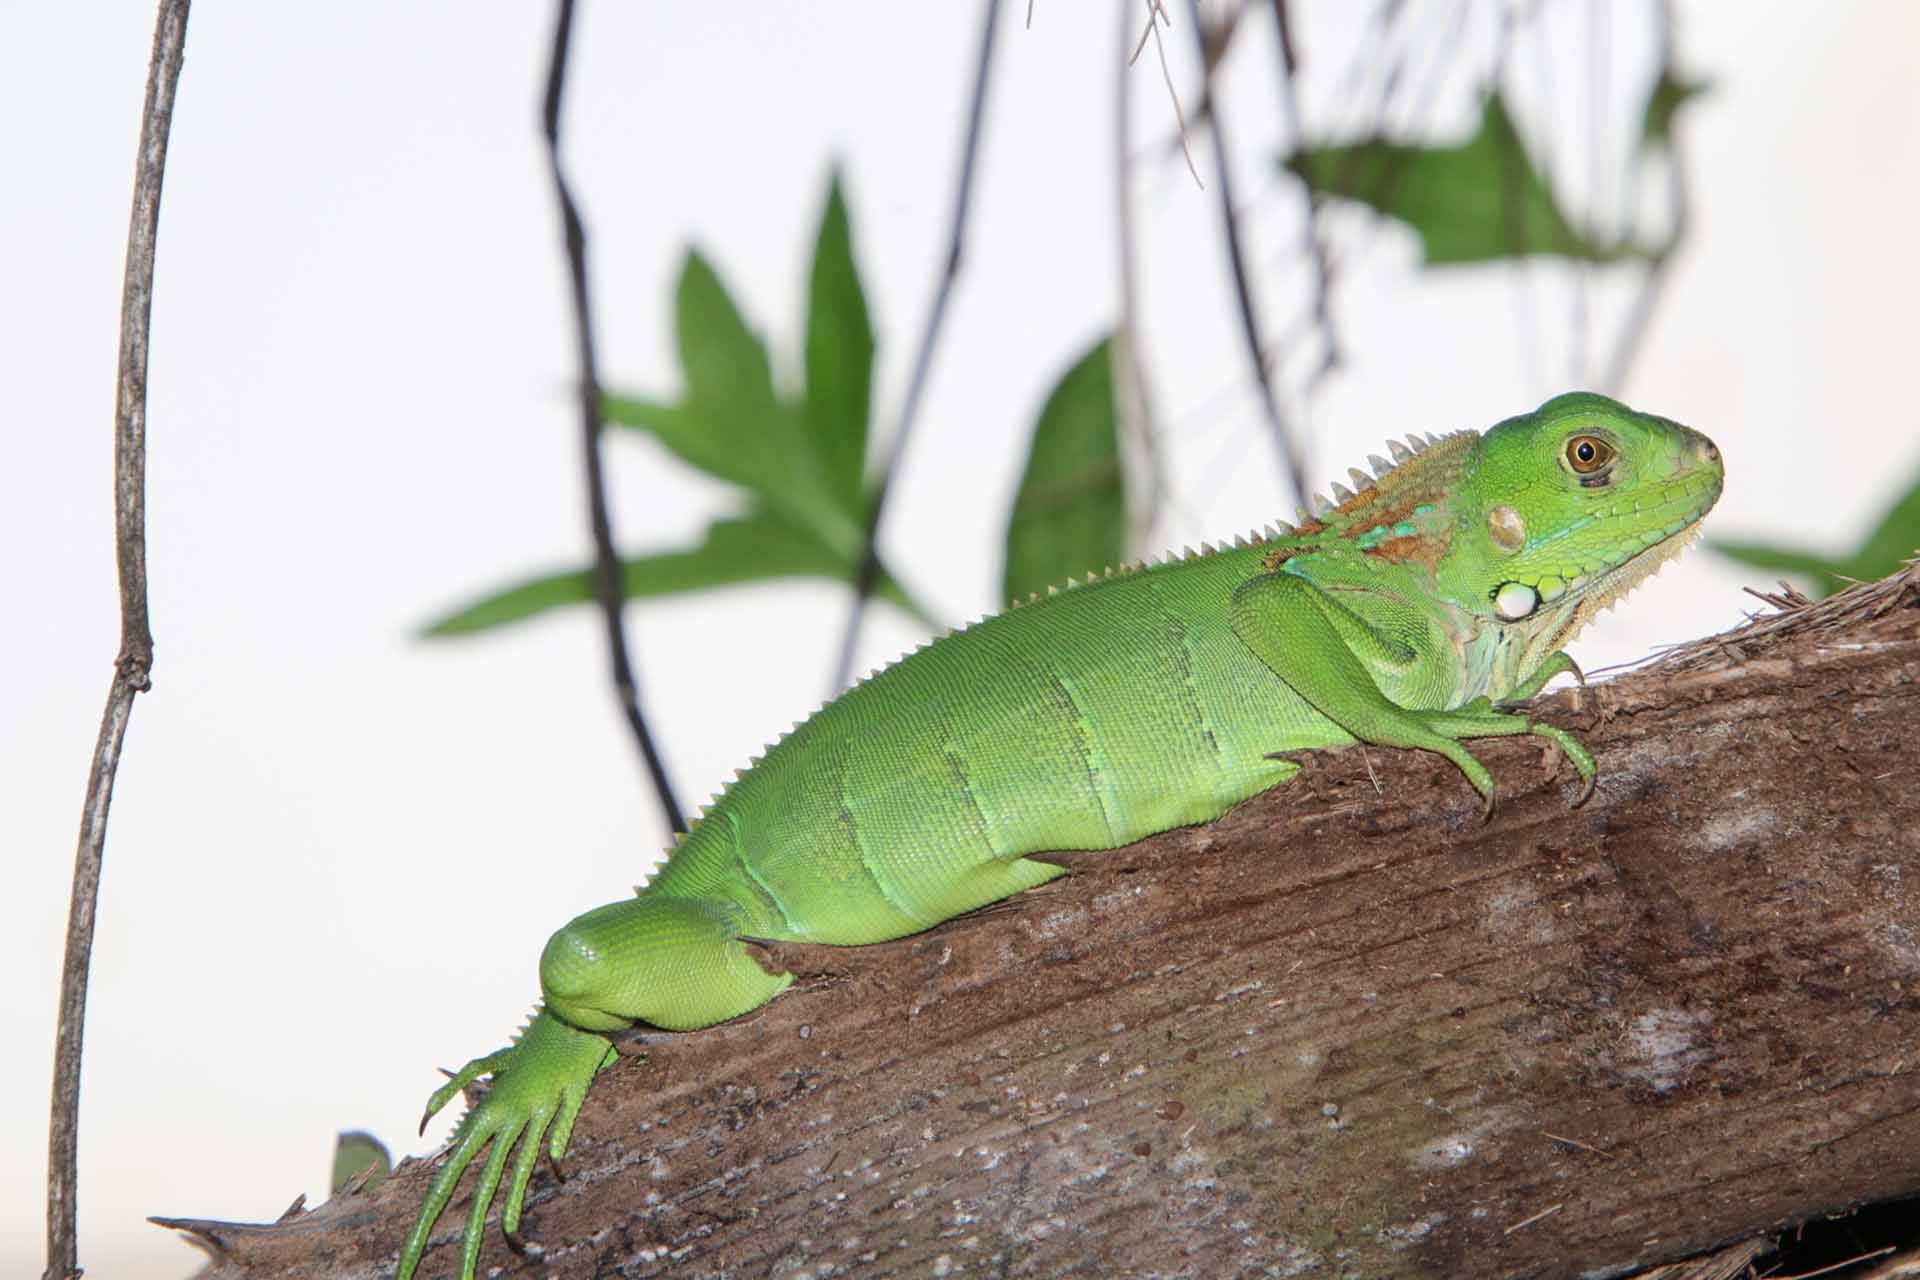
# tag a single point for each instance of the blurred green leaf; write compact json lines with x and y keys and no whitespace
{"x":751,"y":548}
{"x":1070,"y":515}
{"x":354,"y":1153}
{"x":686,"y":435}
{"x":1893,"y":541}
{"x":839,"y":357}
{"x":1479,"y":201}
{"x":799,"y":458}
{"x":724,"y":361}
{"x":752,"y":461}
{"x":1668,"y":94}
{"x":731,"y":423}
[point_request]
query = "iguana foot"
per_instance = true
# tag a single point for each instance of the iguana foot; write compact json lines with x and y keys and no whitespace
{"x":538,"y":1086}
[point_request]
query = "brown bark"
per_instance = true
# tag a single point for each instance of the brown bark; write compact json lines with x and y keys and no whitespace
{"x":1346,"y":1030}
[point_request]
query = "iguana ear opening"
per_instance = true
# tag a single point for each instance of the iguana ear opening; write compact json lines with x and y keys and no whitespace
{"x":1507,"y":529}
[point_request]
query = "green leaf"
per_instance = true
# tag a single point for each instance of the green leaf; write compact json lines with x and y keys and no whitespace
{"x":731,"y":424}
{"x":1070,"y":515}
{"x":1479,"y":201}
{"x":1894,"y":540}
{"x":356,"y":1152}
{"x":1668,"y":94}
{"x":688,"y":436}
{"x":755,"y":547}
{"x":839,"y":357}
{"x":725,"y":363}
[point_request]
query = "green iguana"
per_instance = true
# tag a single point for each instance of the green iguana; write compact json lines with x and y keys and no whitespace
{"x":1407,"y":614}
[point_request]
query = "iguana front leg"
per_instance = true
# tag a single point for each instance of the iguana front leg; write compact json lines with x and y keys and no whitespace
{"x":1558,"y":663}
{"x":1324,"y":650}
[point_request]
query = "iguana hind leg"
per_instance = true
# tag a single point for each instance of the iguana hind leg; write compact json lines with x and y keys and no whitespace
{"x":676,"y":963}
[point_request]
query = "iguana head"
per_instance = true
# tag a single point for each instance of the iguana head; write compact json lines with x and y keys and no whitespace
{"x":1562,"y":511}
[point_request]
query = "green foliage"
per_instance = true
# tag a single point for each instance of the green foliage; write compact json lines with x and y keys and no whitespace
{"x":1670,"y":92}
{"x":1071,"y":513}
{"x":1476,"y":202}
{"x":1484,"y":199}
{"x":1893,"y":541}
{"x":839,"y":356}
{"x":736,"y":549}
{"x":355,"y":1153}
{"x":799,"y":458}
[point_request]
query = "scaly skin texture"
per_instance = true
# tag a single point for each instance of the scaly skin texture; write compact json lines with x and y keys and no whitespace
{"x":1410,"y":614}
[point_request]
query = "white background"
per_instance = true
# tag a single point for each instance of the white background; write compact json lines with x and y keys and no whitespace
{"x":336,"y":850}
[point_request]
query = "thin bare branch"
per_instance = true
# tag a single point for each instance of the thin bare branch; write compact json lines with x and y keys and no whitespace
{"x":134,"y":663}
{"x":1527,"y":321}
{"x":1155,"y":8}
{"x":869,"y":573}
{"x":1285,"y":442}
{"x":1599,"y":160}
{"x":1312,"y":248}
{"x":1156,"y":12}
{"x":1627,"y":346}
{"x":608,"y":587}
{"x":1133,"y":391}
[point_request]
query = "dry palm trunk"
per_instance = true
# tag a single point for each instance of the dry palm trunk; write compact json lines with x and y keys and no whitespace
{"x":1347,"y":1030}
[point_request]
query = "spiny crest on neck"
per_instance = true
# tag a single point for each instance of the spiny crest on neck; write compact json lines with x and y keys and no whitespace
{"x":1241,"y":542}
{"x":1381,"y":514}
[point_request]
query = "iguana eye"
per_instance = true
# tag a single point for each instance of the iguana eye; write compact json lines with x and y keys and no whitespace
{"x":1587,"y":454}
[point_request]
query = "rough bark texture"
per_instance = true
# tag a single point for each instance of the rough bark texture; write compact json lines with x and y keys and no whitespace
{"x":1349,"y":1030}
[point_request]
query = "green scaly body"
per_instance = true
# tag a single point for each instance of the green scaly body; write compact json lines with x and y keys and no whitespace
{"x":1151,"y":698}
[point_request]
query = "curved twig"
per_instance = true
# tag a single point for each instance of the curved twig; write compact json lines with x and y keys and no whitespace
{"x":1285,"y":442}
{"x":134,"y":663}
{"x":869,"y":572}
{"x":607,"y":585}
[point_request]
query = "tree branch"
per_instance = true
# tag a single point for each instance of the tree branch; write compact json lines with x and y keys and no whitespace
{"x":608,"y":587}
{"x":1285,"y":442}
{"x":1312,"y":248}
{"x":1640,"y":313}
{"x":1347,"y":1029}
{"x":869,"y":572}
{"x":134,"y":663}
{"x":1133,"y":390}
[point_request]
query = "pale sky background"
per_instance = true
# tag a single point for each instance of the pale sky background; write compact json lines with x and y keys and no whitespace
{"x":336,"y":851}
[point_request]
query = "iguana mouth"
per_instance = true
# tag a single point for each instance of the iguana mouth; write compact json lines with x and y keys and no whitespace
{"x":1698,"y":489}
